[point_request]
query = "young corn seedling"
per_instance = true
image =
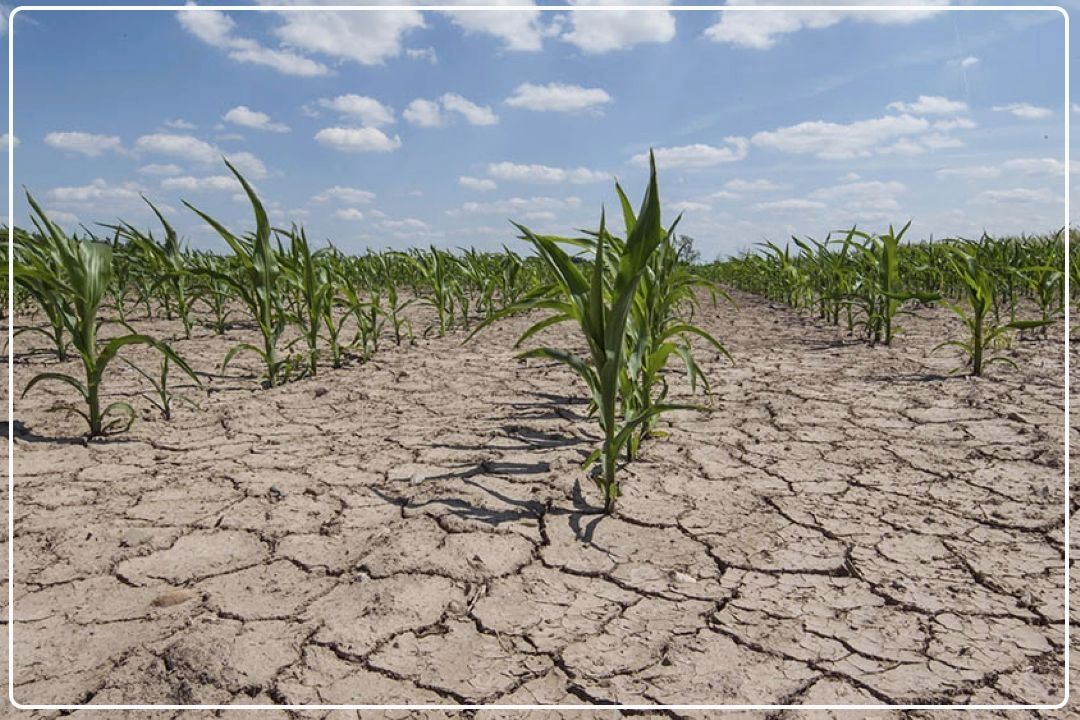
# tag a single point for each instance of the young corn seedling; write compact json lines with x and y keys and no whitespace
{"x":982,"y":330}
{"x":163,"y":396}
{"x":257,"y":283}
{"x":312,"y":291}
{"x":82,"y":278}
{"x":600,"y":304}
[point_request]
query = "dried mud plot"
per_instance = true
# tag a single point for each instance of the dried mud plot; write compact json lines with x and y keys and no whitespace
{"x":846,"y":526}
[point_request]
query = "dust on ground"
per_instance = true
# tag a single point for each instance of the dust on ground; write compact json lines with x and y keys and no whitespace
{"x":846,"y":525}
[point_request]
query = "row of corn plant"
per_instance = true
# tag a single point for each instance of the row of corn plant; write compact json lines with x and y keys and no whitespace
{"x":868,"y":280}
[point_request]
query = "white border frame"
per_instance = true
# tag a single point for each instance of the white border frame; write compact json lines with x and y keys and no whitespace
{"x":498,"y":8}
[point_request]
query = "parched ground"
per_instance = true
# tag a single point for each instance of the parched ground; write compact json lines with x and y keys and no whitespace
{"x":846,"y":525}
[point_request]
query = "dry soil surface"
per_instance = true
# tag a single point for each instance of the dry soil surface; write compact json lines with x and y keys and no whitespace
{"x":846,"y":525}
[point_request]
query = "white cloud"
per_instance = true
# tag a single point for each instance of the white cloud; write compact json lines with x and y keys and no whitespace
{"x":348,"y":214}
{"x":930,"y":105}
{"x":181,"y":146}
{"x":196,"y":184}
{"x":479,"y":184}
{"x":61,"y":216}
{"x":1035,"y":166}
{"x":557,"y":97}
{"x":696,"y":156}
{"x":473,"y":113}
{"x":368,"y":38}
{"x":217,"y":29}
{"x":427,"y":54}
{"x":1024,"y":110}
{"x":248,"y":165}
{"x":601,"y":32}
{"x":97,"y":190}
{"x":8,"y":141}
{"x":432,"y":113}
{"x":351,"y":196}
{"x":515,"y":172}
{"x":832,"y":141}
{"x":955,"y":124}
{"x":406,"y":224}
{"x":519,"y":27}
{"x":1020,"y":195}
{"x":366,"y":139}
{"x":738,"y":185}
{"x":1019,"y":166}
{"x":518,"y":205}
{"x":83,"y":143}
{"x":159,"y":169}
{"x":760,"y":30}
{"x":369,"y":111}
{"x":969,"y":61}
{"x":790,"y":204}
{"x":246,"y":117}
{"x":179,"y":124}
{"x":425,"y":113}
{"x":971,"y":172}
{"x":689,"y":206}
{"x":862,"y":196}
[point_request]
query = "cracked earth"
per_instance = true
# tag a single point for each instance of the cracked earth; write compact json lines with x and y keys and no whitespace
{"x":847,"y":525}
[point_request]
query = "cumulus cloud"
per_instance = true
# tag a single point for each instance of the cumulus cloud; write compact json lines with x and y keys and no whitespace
{"x":739,"y":185}
{"x":244,"y":116}
{"x":196,"y":184}
{"x":1019,"y":166}
{"x":520,"y":27}
{"x":1024,"y":110}
{"x":368,"y":38}
{"x":161,"y":169}
{"x":479,"y":184}
{"x":540,"y":174}
{"x":216,"y":28}
{"x":347,"y":195}
{"x":425,"y":113}
{"x":369,"y":111}
{"x":84,"y":143}
{"x":179,"y":124}
{"x":930,"y":105}
{"x":557,"y":97}
{"x":518,"y":205}
{"x":831,"y":141}
{"x":97,"y":190}
{"x":364,"y":139}
{"x":600,"y":32}
{"x":790,"y":204}
{"x":696,"y":156}
{"x":348,"y":214}
{"x":474,"y":114}
{"x":1020,"y":195}
{"x":433,"y":113}
{"x":187,"y":147}
{"x":760,"y":30}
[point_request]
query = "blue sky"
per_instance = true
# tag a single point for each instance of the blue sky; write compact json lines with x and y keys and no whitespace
{"x":401,"y":128}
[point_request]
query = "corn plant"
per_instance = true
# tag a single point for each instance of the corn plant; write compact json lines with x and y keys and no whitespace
{"x":600,"y":302}
{"x":163,"y":395}
{"x":166,"y":264}
{"x":82,"y":277}
{"x":257,"y":283}
{"x":311,"y":288}
{"x":979,"y":294}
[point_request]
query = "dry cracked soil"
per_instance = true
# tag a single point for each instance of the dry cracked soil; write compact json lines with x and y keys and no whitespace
{"x":845,"y":525}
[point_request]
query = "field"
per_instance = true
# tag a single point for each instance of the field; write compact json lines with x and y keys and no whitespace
{"x":841,"y":519}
